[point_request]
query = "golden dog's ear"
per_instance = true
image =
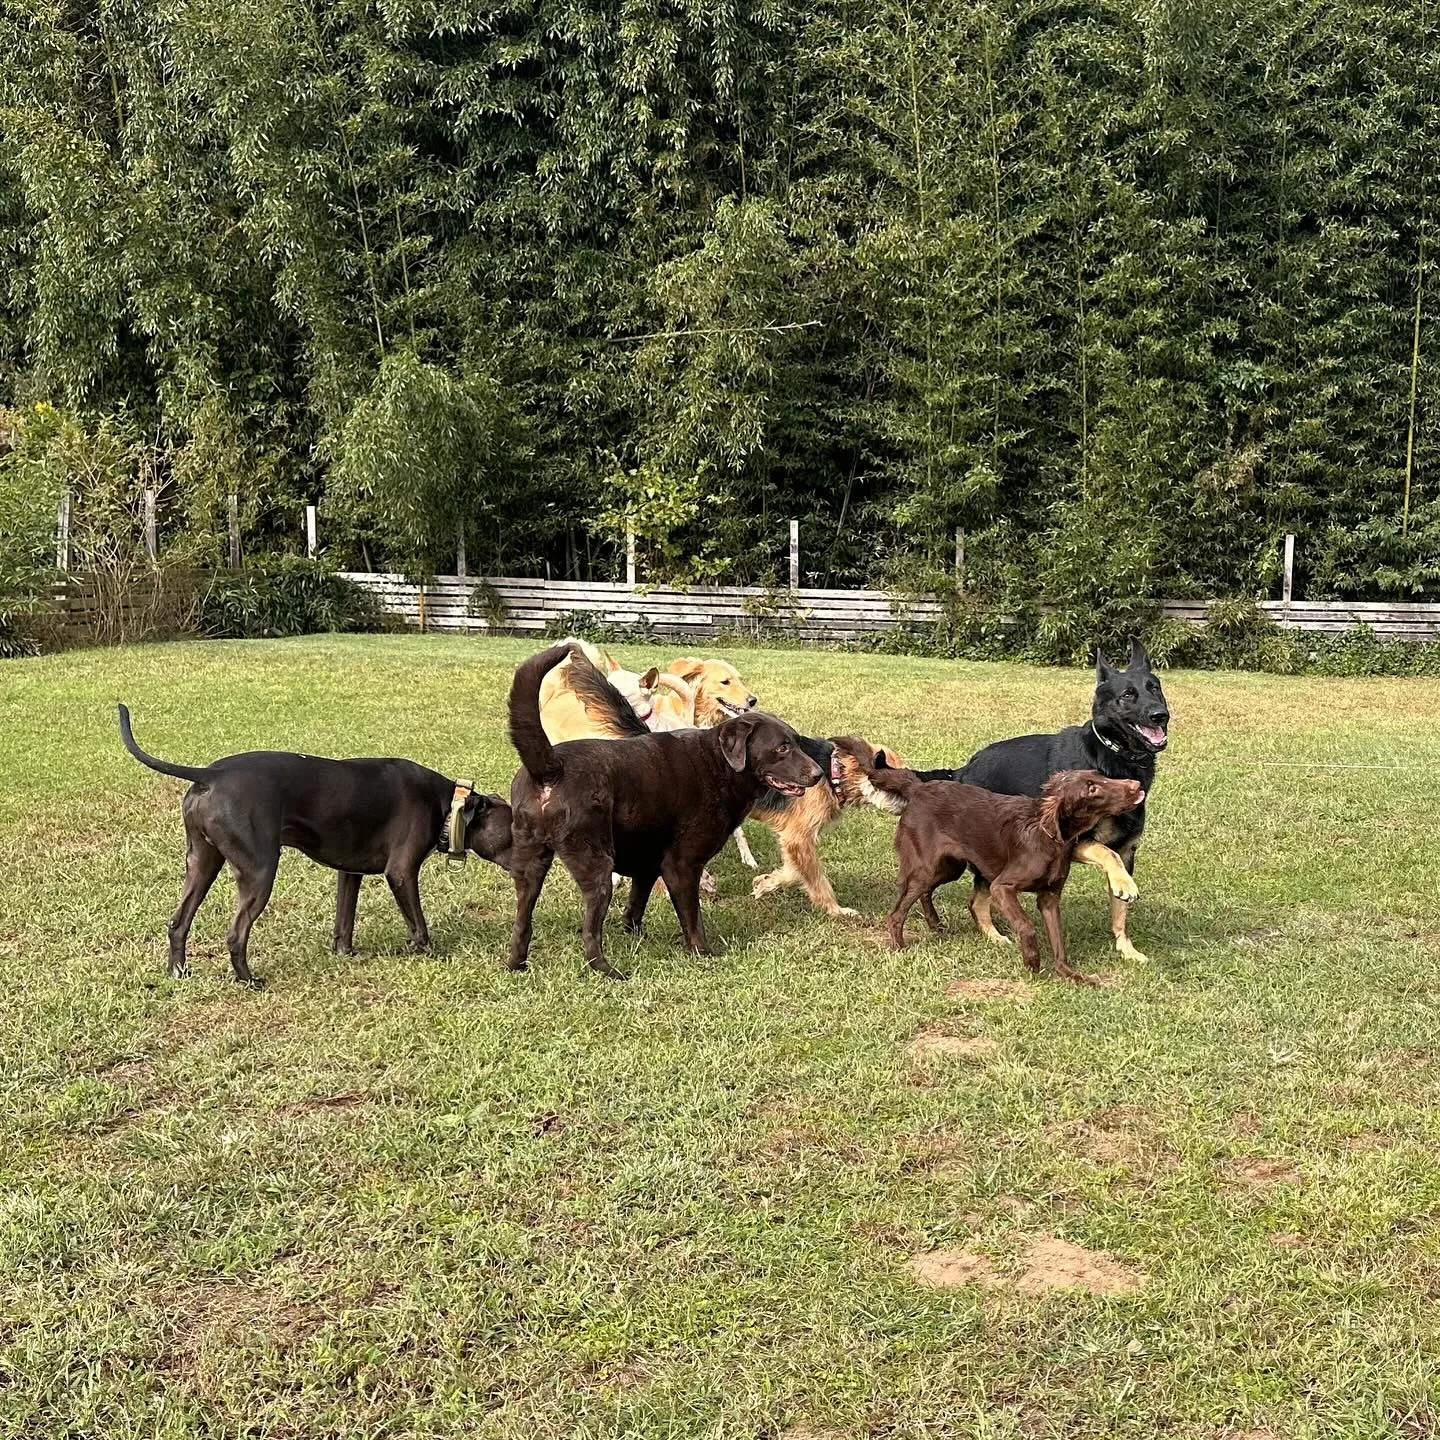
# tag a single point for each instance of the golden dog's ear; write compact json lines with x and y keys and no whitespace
{"x":734,"y":741}
{"x":688,"y":669}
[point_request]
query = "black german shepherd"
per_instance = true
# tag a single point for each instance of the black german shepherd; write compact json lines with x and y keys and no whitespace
{"x":1129,"y":726}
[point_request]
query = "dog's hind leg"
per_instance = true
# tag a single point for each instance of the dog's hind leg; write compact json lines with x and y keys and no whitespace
{"x":912,"y":887}
{"x":1117,"y":875}
{"x":640,"y":887}
{"x":253,"y":888}
{"x":347,"y":896}
{"x":946,"y":871}
{"x":592,"y":871}
{"x":980,"y":912}
{"x":1008,"y":900}
{"x":529,"y":867}
{"x":203,"y":863}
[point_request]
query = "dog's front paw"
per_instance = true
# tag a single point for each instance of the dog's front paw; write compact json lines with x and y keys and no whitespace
{"x":1128,"y":950}
{"x":178,"y":972}
{"x":1124,"y":889}
{"x":707,"y":884}
{"x":845,"y":912}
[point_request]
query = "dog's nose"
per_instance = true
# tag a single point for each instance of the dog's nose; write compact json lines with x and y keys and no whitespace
{"x":751,"y":701}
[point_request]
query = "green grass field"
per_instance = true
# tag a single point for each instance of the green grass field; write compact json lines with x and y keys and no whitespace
{"x":398,"y":1196}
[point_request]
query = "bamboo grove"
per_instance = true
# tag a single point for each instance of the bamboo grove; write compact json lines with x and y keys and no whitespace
{"x":1125,"y":289}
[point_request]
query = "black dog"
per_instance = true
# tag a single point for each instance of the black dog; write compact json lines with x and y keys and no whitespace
{"x":360,"y":817}
{"x":1129,"y":726}
{"x":651,"y":807}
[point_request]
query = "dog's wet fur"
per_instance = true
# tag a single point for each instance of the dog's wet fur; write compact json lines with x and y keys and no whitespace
{"x":656,"y":806}
{"x":1018,"y":843}
{"x":358,"y":817}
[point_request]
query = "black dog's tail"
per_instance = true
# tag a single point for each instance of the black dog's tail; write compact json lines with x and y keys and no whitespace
{"x":527,"y":734}
{"x":180,"y":772}
{"x":602,"y":701}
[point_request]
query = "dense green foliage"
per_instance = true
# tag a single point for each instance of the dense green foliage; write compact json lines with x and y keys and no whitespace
{"x":1124,"y":290}
{"x":269,"y":600}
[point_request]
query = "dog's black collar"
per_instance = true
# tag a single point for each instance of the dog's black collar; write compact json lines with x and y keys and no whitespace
{"x":1107,"y":743}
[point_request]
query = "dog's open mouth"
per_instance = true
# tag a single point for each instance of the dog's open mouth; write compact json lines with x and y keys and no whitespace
{"x":785,"y":787}
{"x":732,"y":710}
{"x":1153,"y":735}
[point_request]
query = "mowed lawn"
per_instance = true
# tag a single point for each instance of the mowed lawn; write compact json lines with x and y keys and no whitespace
{"x":417,"y":1196}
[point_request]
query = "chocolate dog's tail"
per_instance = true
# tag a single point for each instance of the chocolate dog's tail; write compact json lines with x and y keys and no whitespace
{"x":180,"y":772}
{"x":527,"y":734}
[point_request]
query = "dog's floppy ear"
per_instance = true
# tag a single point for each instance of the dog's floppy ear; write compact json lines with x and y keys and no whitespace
{"x":688,"y":669}
{"x":734,"y":741}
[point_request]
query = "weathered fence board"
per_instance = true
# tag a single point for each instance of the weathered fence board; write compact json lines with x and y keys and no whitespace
{"x":531,"y":605}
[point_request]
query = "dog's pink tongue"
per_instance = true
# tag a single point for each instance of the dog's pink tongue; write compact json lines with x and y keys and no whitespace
{"x":1153,"y":733}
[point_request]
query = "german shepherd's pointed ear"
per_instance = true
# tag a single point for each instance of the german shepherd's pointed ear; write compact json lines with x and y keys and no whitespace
{"x":734,"y":742}
{"x":1103,"y":668}
{"x":1138,"y":656}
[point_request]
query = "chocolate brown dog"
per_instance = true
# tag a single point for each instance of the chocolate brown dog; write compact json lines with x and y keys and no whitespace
{"x":651,"y":807}
{"x":1015,"y":842}
{"x":360,"y":817}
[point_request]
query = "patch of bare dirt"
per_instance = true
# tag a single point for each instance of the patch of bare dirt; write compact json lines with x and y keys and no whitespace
{"x":1020,"y":991}
{"x":937,"y":1041}
{"x":808,"y":1432}
{"x":1118,"y":1135}
{"x":1052,"y":1264}
{"x":933,"y":1151}
{"x":1261,"y":1170}
{"x":1402,"y":1060}
{"x":949,"y":1268}
{"x":1368,"y":1140}
{"x":1253,"y":1434}
{"x":1288,"y":1240}
{"x":209,"y":1323}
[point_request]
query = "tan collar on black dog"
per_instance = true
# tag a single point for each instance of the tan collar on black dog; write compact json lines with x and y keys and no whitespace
{"x":454,"y":832}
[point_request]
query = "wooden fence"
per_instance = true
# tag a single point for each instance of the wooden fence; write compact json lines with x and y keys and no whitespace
{"x":508,"y":606}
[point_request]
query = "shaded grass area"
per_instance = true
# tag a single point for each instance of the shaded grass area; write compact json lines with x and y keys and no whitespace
{"x":392,"y":1196}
